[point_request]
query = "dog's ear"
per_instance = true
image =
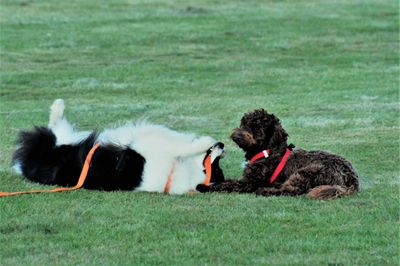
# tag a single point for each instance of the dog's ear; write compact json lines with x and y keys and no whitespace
{"x":278,"y":139}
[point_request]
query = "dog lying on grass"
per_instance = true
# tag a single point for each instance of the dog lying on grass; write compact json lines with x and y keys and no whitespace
{"x":274,"y":169}
{"x":138,"y":157}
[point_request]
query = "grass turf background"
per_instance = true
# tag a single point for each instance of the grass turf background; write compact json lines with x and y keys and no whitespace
{"x":328,"y":69}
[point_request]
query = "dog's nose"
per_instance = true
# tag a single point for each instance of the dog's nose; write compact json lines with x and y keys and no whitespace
{"x":219,"y":145}
{"x":235,"y":133}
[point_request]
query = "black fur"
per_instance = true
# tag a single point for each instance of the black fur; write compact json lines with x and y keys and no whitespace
{"x":217,"y":175}
{"x":43,"y":162}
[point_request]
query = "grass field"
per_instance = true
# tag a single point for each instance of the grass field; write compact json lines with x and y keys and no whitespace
{"x":328,"y":69}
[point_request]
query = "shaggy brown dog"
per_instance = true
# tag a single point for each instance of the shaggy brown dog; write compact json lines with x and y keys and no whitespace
{"x":319,"y":174}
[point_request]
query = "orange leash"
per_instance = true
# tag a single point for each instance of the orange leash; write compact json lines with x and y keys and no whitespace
{"x":207,"y":166}
{"x":80,"y":183}
{"x":169,"y":180}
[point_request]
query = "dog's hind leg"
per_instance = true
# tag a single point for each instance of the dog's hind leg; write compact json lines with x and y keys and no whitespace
{"x":311,"y":180}
{"x":326,"y":192}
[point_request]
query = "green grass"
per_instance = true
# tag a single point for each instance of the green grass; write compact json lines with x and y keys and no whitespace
{"x":328,"y":69}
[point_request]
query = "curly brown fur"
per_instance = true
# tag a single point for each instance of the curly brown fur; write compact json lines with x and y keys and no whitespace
{"x":319,"y":174}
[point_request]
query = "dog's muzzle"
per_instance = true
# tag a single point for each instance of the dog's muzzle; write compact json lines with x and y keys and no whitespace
{"x":242,"y":138}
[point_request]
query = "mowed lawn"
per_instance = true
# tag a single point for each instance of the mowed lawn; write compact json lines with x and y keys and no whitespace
{"x":328,"y":69}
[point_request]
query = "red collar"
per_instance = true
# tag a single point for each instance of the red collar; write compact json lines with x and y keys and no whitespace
{"x":281,"y":165}
{"x":264,"y":153}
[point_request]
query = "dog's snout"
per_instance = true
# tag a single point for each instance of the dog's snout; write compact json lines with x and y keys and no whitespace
{"x":235,"y":133}
{"x":219,"y":145}
{"x":242,"y":138}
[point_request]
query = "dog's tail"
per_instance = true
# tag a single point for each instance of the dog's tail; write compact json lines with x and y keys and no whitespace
{"x":39,"y":159}
{"x":327,"y":192}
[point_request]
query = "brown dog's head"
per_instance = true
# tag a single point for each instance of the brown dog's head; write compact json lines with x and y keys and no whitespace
{"x":258,"y":131}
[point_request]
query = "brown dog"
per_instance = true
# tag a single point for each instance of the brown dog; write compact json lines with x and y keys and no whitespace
{"x":274,"y":169}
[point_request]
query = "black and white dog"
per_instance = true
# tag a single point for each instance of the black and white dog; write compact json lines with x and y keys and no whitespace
{"x":137,"y":157}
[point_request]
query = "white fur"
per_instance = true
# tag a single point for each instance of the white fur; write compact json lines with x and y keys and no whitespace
{"x":17,"y":168}
{"x":63,"y":130}
{"x":162,"y":148}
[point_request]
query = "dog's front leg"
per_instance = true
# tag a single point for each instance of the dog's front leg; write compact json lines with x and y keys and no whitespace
{"x":196,"y":146}
{"x":269,"y":191}
{"x":202,"y":144}
{"x":229,"y":186}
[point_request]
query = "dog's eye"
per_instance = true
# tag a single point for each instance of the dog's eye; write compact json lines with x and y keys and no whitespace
{"x":244,"y":128}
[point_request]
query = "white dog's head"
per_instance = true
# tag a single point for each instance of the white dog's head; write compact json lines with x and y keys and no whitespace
{"x":216,"y":152}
